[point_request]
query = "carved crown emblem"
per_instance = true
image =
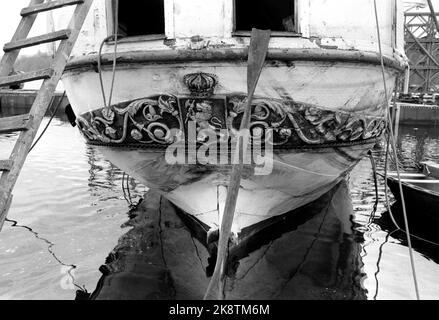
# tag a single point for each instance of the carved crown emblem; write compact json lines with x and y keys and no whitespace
{"x":200,"y":83}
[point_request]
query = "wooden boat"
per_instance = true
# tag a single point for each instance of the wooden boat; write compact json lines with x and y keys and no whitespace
{"x":421,"y":193}
{"x":319,"y":104}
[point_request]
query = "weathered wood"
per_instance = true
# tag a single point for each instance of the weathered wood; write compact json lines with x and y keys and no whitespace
{"x":34,"y":41}
{"x":4,"y":210}
{"x":26,"y":77}
{"x":221,"y":54}
{"x":15,"y":123}
{"x":42,"y":101}
{"x":403,"y":174}
{"x":256,"y":59}
{"x":5,"y":165}
{"x":23,"y":29}
{"x":420,"y":181}
{"x":47,"y":6}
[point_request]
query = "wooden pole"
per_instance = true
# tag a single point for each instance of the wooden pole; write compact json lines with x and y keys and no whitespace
{"x":51,"y":47}
{"x":256,"y":58}
{"x":397,"y":119}
{"x":407,"y":80}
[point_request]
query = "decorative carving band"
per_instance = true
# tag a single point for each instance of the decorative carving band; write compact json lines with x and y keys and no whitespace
{"x":150,"y":122}
{"x":146,"y":121}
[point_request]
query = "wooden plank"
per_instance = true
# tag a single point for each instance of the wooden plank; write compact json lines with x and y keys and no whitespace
{"x":26,"y":77}
{"x":4,"y":211}
{"x":15,"y":123}
{"x":413,"y":175}
{"x":8,"y":60}
{"x":48,"y":6}
{"x":34,"y":41}
{"x":256,"y":58}
{"x":420,"y":181}
{"x":42,"y":101}
{"x":5,"y":165}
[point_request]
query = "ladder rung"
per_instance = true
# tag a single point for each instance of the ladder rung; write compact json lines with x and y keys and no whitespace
{"x":26,"y":77}
{"x":5,"y":165}
{"x":15,"y":123}
{"x":33,"y":41}
{"x":48,"y":6}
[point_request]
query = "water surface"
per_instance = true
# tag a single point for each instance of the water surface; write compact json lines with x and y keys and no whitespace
{"x":70,"y":201}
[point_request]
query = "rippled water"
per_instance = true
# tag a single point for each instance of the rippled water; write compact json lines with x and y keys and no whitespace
{"x":384,"y":252}
{"x":71,"y":198}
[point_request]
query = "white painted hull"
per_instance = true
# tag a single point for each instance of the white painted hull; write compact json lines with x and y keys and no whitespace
{"x":299,"y":176}
{"x":356,"y":87}
{"x":297,"y":179}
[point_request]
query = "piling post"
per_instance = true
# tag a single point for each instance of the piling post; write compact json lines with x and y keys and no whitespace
{"x":397,"y":113}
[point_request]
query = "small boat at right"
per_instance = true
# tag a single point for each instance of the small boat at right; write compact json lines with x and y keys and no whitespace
{"x":421,"y":193}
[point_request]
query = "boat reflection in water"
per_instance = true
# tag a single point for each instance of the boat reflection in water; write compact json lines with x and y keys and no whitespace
{"x":310,"y":253}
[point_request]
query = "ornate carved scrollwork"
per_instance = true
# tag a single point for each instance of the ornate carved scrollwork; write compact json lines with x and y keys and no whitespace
{"x":297,"y":124}
{"x":144,"y":121}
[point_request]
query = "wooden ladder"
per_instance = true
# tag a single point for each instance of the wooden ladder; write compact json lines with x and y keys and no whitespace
{"x":28,"y":124}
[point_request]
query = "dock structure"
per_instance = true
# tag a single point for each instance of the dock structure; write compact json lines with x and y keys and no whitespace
{"x":422,"y":76}
{"x":14,"y":102}
{"x":422,"y":49}
{"x":417,"y":114}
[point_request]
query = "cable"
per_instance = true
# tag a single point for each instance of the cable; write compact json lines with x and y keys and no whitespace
{"x":48,"y":124}
{"x":375,"y":180}
{"x":50,"y":245}
{"x":392,"y":140}
{"x":126,"y":190}
{"x":114,"y":36}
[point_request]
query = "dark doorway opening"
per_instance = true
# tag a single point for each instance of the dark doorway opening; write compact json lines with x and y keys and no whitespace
{"x":141,"y":17}
{"x":276,"y":15}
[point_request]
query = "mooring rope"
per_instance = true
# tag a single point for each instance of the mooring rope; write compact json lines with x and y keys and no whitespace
{"x":114,"y":36}
{"x":50,"y":245}
{"x":126,"y":190}
{"x":50,"y":121}
{"x":392,"y":140}
{"x":375,"y":180}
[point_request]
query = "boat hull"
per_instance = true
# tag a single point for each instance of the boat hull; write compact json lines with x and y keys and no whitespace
{"x":331,"y":85}
{"x":317,"y":119}
{"x":422,"y":204}
{"x":297,"y":178}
